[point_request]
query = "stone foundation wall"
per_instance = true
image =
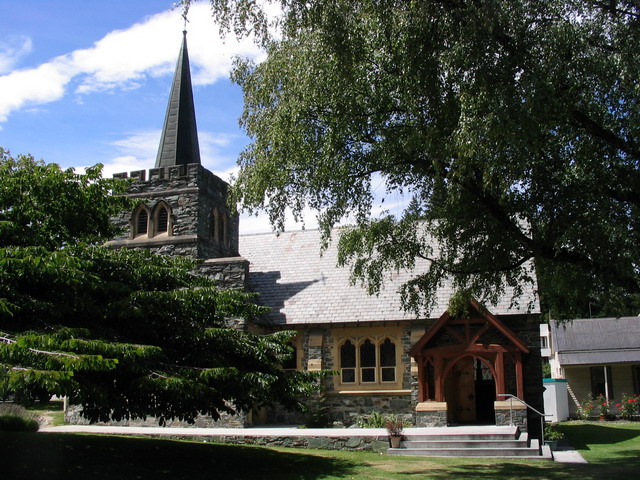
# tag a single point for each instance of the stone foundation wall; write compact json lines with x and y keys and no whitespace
{"x":515,"y":417}
{"x":431,"y":419}
{"x":344,"y":410}
{"x":347,"y":408}
{"x":431,"y":414}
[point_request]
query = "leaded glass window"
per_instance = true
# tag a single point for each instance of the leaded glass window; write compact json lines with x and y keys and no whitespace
{"x":388,"y":361}
{"x":368,"y":361}
{"x":348,"y":362}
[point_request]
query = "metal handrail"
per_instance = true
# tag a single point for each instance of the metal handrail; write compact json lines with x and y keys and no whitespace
{"x":542,"y":415}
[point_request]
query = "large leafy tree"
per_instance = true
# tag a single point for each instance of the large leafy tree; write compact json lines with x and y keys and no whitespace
{"x":513,"y":125}
{"x":122,"y":333}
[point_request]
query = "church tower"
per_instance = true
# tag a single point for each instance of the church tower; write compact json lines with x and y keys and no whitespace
{"x":183,"y":209}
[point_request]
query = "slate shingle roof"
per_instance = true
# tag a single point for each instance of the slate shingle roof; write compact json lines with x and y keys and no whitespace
{"x":301,"y":286}
{"x":596,"y":340}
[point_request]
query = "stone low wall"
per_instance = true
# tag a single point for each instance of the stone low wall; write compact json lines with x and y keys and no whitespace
{"x":371,"y":439}
{"x":362,"y":443}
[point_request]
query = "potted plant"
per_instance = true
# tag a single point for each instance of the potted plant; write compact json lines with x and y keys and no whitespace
{"x":395,"y":428}
{"x":552,"y":435}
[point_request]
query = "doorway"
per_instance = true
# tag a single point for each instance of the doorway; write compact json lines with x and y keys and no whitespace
{"x":470,"y":391}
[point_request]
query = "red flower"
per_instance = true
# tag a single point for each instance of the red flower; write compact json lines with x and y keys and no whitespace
{"x":617,"y":405}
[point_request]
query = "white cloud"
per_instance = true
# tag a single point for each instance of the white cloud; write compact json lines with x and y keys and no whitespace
{"x":123,"y":59}
{"x":142,"y":144}
{"x":12,"y":49}
{"x":25,"y":88}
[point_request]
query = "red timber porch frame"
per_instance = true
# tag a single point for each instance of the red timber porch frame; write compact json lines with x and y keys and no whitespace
{"x":467,"y":341}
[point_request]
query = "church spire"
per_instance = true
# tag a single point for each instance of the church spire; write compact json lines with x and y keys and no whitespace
{"x":179,"y":141}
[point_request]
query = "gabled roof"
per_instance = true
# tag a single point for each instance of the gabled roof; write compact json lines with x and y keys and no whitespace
{"x":480,"y":312}
{"x":596,"y":340}
{"x":179,"y":141}
{"x":301,"y":286}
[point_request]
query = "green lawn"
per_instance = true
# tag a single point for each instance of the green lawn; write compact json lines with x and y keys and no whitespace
{"x":67,"y":456}
{"x":51,"y":411}
{"x":604,"y":442}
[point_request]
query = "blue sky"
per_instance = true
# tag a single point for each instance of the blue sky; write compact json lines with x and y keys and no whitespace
{"x":85,"y":82}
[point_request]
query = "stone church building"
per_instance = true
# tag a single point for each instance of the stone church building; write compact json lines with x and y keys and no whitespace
{"x":433,"y":370}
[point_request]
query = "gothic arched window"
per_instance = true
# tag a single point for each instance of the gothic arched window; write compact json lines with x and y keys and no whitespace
{"x":140,"y":223}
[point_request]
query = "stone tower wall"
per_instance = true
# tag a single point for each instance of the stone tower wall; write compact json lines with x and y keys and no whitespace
{"x":192,"y":193}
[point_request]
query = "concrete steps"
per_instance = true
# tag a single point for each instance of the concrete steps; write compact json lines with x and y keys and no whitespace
{"x":490,"y":441}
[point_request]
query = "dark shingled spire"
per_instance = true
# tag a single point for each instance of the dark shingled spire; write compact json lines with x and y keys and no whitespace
{"x":179,"y":141}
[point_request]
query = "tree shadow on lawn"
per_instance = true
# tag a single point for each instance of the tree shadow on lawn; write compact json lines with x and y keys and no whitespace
{"x":63,"y":456}
{"x":581,"y":436}
{"x":531,"y":470}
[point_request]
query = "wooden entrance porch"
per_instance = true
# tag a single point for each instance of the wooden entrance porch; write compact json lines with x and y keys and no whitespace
{"x":463,"y":366}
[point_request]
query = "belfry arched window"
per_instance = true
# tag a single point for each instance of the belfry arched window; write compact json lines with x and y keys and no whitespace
{"x":162,"y":223}
{"x":216,"y":225}
{"x":161,"y":219}
{"x":140,"y":222}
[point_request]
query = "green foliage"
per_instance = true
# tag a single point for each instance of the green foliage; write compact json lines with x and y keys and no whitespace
{"x":546,"y":370}
{"x":42,"y":204}
{"x":391,"y":422}
{"x":552,"y":432}
{"x":373,"y":420}
{"x":318,"y":415}
{"x":511,"y":125}
{"x":602,"y":406}
{"x":122,"y":333}
{"x":14,"y":418}
{"x":587,"y":408}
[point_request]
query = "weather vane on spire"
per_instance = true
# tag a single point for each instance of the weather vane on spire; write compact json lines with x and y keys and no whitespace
{"x":185,"y":4}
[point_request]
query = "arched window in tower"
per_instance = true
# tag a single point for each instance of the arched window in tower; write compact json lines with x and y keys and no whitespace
{"x":163,"y":220}
{"x":215,"y":225}
{"x":140,"y":222}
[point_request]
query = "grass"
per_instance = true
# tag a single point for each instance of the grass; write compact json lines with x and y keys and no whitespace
{"x":51,"y":411}
{"x":600,"y":442}
{"x":613,"y":450}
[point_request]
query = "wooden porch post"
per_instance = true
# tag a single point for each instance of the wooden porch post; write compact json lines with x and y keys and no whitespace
{"x":421,"y":393}
{"x":519,"y":379}
{"x":438,"y":380}
{"x":500,"y":373}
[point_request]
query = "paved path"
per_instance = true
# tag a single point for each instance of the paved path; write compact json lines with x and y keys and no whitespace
{"x":567,"y":454}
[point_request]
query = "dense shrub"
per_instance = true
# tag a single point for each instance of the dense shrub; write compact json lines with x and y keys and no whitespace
{"x":14,"y":418}
{"x":629,"y":406}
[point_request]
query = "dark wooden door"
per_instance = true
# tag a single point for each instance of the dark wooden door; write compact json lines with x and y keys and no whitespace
{"x":463,"y":391}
